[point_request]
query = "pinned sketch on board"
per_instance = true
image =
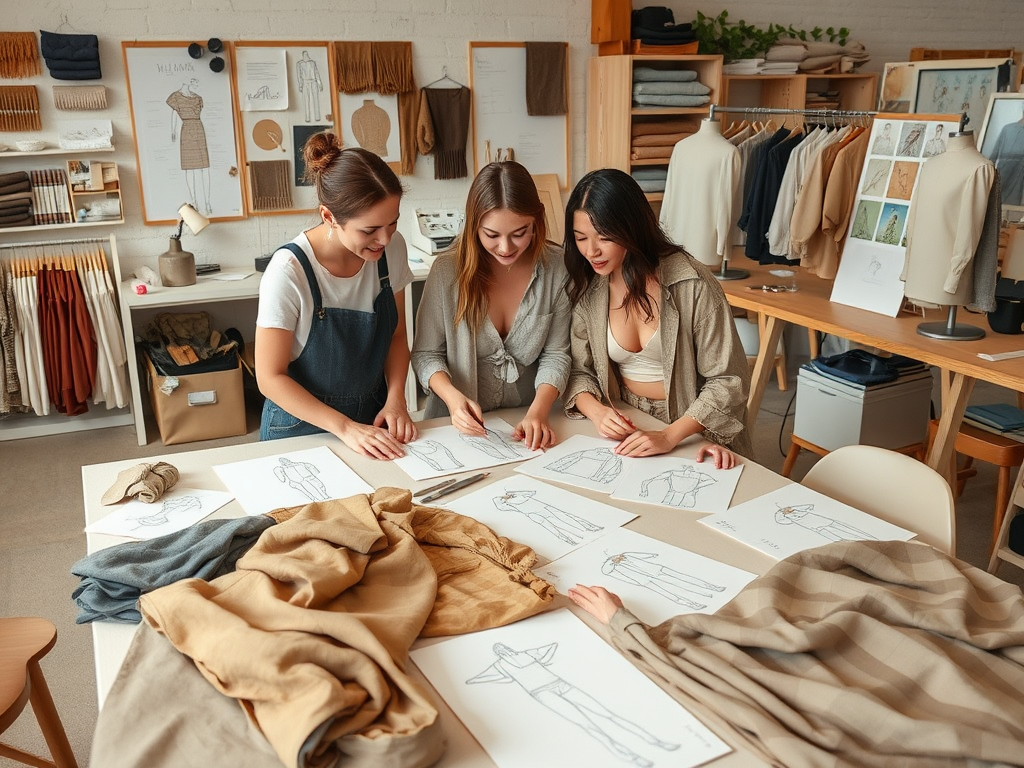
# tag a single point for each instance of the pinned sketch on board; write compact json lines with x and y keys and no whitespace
{"x":549,"y":520}
{"x":671,"y":481}
{"x":174,"y":511}
{"x":262,"y":78}
{"x":656,"y":580}
{"x":543,"y":670}
{"x":586,"y":462}
{"x":795,"y":518}
{"x":444,"y":450}
{"x":290,"y":479}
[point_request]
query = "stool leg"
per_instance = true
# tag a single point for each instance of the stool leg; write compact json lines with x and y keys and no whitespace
{"x":1002,"y":499}
{"x":49,"y":720}
{"x":787,"y":465}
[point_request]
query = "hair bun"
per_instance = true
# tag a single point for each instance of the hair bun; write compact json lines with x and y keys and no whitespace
{"x":320,"y":152}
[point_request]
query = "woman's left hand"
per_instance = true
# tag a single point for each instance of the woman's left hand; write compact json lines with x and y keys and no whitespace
{"x":535,"y":432}
{"x":724,"y":458}
{"x":597,"y":601}
{"x":645,"y":442}
{"x":399,"y":423}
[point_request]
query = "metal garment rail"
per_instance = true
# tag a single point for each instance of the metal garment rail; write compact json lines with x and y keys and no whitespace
{"x":779,"y":111}
{"x":40,"y":243}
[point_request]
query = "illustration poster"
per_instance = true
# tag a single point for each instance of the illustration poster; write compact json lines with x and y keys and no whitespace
{"x":290,"y":479}
{"x":656,"y":580}
{"x":444,"y":450}
{"x":549,"y":691}
{"x":795,"y":518}
{"x":551,"y":521}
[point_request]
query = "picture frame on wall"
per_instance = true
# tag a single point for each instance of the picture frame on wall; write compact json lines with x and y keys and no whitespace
{"x":1002,"y":141}
{"x":183,"y":120}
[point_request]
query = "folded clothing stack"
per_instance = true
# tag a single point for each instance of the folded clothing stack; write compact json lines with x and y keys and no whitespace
{"x":655,"y":140}
{"x":650,"y":179}
{"x":668,"y":88}
{"x":655,"y":25}
{"x":15,"y":200}
{"x":814,"y":55}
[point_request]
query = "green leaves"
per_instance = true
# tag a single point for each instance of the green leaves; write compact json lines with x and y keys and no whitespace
{"x":739,"y":40}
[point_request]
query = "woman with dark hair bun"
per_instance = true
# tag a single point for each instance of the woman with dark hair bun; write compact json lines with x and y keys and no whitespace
{"x":493,"y":325}
{"x":331,"y":347}
{"x":651,"y":325}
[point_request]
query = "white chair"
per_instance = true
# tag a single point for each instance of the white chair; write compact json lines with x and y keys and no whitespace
{"x":890,"y":486}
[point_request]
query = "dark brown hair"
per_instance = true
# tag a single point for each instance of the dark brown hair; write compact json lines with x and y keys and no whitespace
{"x":347,"y":181}
{"x":499,"y":186}
{"x":619,"y":212}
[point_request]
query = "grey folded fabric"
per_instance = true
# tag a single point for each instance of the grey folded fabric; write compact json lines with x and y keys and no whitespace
{"x":114,"y":578}
{"x":649,"y":173}
{"x":671,"y":100}
{"x":646,"y":74}
{"x":669,"y":88}
{"x":651,"y":185}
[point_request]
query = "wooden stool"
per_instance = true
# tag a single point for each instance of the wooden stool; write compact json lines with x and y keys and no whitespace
{"x":975,"y":443}
{"x":23,"y":642}
{"x":917,"y":450}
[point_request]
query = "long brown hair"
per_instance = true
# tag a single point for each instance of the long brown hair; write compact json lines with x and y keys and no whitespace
{"x":347,"y":181}
{"x":499,"y":186}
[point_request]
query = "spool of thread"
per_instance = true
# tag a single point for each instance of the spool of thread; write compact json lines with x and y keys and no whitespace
{"x":139,"y":287}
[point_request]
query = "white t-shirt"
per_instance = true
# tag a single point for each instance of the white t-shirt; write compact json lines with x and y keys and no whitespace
{"x":286,"y":301}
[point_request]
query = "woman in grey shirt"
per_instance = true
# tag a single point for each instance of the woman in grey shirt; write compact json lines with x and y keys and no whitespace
{"x":492,"y":329}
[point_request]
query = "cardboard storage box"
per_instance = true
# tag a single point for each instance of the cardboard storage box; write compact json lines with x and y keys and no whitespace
{"x":203,"y":406}
{"x":832,"y":414}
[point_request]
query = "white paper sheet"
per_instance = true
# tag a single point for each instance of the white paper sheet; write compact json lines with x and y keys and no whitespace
{"x":795,"y":518}
{"x":174,"y":511}
{"x":586,"y":462}
{"x":671,"y":481}
{"x":547,"y":691}
{"x":445,"y":451}
{"x":655,"y":580}
{"x":290,"y":479}
{"x":550,"y":520}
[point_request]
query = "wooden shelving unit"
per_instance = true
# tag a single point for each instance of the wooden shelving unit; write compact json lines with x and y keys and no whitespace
{"x":857,"y":91}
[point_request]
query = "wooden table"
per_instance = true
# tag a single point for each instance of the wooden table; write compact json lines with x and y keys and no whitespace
{"x":675,"y":526}
{"x":810,"y":307}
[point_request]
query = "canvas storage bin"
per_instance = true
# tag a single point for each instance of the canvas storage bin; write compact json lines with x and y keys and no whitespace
{"x":203,"y":406}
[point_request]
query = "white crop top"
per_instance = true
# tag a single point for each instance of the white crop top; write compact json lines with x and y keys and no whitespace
{"x":643,"y":366}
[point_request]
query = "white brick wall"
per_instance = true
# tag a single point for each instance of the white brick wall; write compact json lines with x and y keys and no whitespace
{"x":440,"y":31}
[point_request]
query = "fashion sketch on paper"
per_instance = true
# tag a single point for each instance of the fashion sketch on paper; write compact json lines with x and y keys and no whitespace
{"x":597,"y":464}
{"x":640,"y":569}
{"x":884,"y":142}
{"x":435,"y":455}
{"x":936,"y":145}
{"x":187,"y":129}
{"x":804,"y":516}
{"x":912,"y":140}
{"x":310,"y":86}
{"x":170,"y":508}
{"x":558,"y":522}
{"x":494,"y":444}
{"x":530,"y":670}
{"x":681,"y":486}
{"x":302,"y":476}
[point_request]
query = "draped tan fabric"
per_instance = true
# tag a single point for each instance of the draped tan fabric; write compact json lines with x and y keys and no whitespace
{"x":392,"y":66}
{"x":19,"y":55}
{"x":311,"y":632}
{"x":852,"y":654}
{"x":353,"y":66}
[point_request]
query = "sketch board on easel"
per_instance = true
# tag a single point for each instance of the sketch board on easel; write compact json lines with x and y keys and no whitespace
{"x":285,"y":93}
{"x":549,"y":691}
{"x":497,"y":79}
{"x":656,"y":580}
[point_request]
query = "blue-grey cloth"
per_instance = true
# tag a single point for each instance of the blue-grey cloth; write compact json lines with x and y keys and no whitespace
{"x":650,"y":73}
{"x":649,"y":174}
{"x":114,"y":578}
{"x":692,"y":88}
{"x":671,"y":100}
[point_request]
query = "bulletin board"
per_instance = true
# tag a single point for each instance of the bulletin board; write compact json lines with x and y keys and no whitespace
{"x":497,"y":78}
{"x":183,"y":118}
{"x":285,"y":93}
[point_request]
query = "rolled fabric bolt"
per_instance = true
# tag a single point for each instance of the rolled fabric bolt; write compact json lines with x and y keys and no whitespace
{"x":139,"y":287}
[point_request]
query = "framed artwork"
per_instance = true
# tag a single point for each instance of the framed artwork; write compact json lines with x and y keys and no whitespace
{"x":285,"y":94}
{"x":183,"y":119}
{"x":876,"y":243}
{"x":1002,"y":141}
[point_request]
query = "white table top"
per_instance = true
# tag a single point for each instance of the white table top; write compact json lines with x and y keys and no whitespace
{"x":677,"y":527}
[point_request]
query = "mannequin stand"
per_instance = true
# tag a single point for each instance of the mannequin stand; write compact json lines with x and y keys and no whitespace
{"x":731,"y":274}
{"x":949,"y":330}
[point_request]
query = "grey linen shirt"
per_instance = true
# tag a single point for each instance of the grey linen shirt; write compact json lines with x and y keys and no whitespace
{"x":495,"y":372}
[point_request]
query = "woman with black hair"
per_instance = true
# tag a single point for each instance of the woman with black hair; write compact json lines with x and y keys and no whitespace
{"x":650,"y":324}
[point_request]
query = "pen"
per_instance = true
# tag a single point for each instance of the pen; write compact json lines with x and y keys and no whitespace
{"x":625,"y":418}
{"x":455,"y":487}
{"x":433,"y":488}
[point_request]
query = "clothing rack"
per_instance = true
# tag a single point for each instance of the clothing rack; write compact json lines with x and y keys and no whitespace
{"x":76,"y":241}
{"x":834,"y":113}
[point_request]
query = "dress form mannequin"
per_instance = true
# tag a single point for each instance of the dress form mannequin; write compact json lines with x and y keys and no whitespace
{"x":700,"y":207}
{"x":943,"y":229}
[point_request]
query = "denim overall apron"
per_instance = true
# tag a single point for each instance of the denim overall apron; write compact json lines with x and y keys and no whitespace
{"x":342,"y":363}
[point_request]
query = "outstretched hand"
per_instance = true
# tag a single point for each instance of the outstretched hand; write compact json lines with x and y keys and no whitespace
{"x":597,"y":601}
{"x":724,"y":458}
